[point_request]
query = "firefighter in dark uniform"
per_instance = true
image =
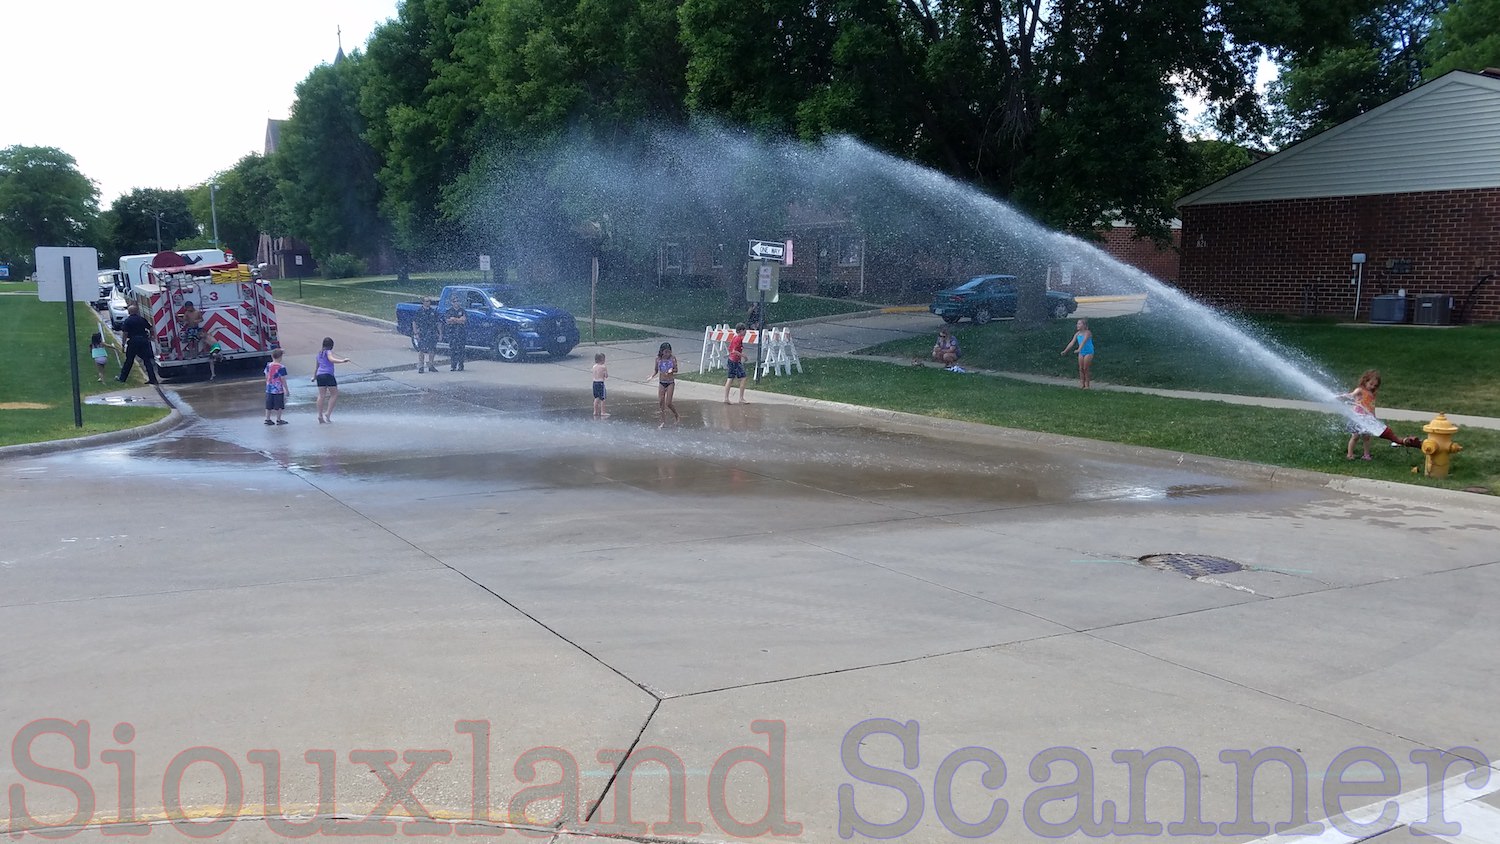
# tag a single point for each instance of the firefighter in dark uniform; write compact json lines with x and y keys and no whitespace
{"x":137,"y":333}
{"x":456,"y":329}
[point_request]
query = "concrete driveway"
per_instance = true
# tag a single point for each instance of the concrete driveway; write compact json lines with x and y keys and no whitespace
{"x":458,"y":608}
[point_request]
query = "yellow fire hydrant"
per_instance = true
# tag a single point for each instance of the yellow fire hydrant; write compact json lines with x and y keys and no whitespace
{"x":1439,"y":445}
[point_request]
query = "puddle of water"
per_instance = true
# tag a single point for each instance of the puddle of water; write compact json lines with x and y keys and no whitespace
{"x":479,"y":436}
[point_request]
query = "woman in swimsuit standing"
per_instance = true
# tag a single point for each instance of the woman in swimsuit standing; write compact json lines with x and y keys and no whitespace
{"x":1084,"y":338}
{"x":665,"y":373}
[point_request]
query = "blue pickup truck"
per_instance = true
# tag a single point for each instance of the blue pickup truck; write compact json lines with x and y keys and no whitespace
{"x":500,"y":322}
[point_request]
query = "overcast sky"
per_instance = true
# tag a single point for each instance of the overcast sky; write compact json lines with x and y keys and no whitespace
{"x":163,"y":93}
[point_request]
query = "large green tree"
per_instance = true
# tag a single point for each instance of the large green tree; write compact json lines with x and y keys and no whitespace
{"x":1466,"y":37}
{"x":1070,"y":107}
{"x":135,"y":220}
{"x":422,"y":84}
{"x":44,"y":201}
{"x":1382,"y":55}
{"x":327,"y":170}
{"x":246,"y":203}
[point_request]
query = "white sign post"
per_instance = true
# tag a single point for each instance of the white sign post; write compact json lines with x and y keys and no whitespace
{"x":770,"y":255}
{"x":58,"y":270}
{"x":56,"y":282}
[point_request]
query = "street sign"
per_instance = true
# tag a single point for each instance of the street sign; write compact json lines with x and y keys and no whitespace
{"x":484,"y":263}
{"x":767,"y":250}
{"x":299,"y":259}
{"x":762,"y":280}
{"x":4,"y":272}
{"x":84,"y":269}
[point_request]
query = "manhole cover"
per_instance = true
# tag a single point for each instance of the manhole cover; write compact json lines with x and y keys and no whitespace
{"x":1191,"y":565}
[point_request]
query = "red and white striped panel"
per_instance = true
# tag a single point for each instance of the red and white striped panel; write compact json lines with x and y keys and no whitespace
{"x":163,"y":327}
{"x":228,"y":328}
{"x":722,"y":335}
{"x":267,"y":303}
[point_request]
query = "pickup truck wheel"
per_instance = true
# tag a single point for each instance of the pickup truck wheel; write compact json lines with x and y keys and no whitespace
{"x":559,"y":351}
{"x":1060,"y":310}
{"x":982,"y":316}
{"x":507,"y":348}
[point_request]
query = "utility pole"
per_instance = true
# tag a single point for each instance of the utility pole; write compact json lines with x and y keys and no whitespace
{"x":213,"y":190}
{"x":157,"y":214}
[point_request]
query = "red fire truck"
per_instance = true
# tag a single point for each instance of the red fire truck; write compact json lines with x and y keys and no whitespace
{"x":238,"y":311}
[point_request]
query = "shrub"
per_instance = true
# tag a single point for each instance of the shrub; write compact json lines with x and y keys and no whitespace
{"x":342,"y":265}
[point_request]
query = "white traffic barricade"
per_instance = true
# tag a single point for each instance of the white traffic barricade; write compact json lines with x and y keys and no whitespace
{"x":780,"y":353}
{"x":715,"y":348}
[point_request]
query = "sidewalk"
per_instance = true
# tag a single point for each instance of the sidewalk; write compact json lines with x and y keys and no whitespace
{"x":1385,"y":413}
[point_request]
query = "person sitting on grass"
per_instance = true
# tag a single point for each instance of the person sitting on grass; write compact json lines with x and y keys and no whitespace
{"x":945,"y":351}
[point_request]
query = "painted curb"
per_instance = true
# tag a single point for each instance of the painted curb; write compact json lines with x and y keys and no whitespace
{"x":174,"y":418}
{"x":1090,"y":300}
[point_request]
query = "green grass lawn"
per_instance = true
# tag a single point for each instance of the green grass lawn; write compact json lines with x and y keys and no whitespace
{"x":687,"y":309}
{"x":1453,"y":370}
{"x":1296,"y":439}
{"x":36,"y":338}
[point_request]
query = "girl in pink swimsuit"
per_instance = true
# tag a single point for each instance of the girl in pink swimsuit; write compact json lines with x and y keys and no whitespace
{"x":665,"y":373}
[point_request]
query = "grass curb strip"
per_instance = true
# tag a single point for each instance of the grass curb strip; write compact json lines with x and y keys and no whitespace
{"x":160,"y":426}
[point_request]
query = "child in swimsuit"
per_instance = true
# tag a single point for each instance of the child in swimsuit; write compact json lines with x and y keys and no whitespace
{"x":192,"y":329}
{"x":99,"y":353}
{"x":1083,"y":338}
{"x":601,"y":372}
{"x":665,"y":373}
{"x":1362,"y":419}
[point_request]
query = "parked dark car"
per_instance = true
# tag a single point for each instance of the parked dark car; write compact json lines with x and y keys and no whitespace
{"x":500,"y":321}
{"x":986,"y":297}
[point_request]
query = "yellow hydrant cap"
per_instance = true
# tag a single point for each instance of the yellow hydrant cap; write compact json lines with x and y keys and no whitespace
{"x":1440,"y":425}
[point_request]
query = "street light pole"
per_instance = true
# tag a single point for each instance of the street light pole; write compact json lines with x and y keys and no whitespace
{"x":158,"y":230}
{"x":213,"y":190}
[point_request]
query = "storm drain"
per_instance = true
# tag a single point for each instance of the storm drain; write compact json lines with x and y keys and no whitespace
{"x":1191,"y":565}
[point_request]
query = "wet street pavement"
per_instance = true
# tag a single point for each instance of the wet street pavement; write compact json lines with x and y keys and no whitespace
{"x":466,"y":600}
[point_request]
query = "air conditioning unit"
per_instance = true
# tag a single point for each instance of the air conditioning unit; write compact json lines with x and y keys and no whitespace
{"x":1388,"y":309}
{"x":1433,"y":309}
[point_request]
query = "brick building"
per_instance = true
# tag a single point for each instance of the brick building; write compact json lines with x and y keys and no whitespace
{"x":1161,"y":262}
{"x":1413,"y":185}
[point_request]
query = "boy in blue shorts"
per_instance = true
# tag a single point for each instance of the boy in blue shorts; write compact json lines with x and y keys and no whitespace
{"x":600,"y":373}
{"x":736,"y":362}
{"x":275,"y":389}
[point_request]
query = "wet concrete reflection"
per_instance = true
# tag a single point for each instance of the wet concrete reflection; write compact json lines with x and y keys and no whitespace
{"x":470,"y":436}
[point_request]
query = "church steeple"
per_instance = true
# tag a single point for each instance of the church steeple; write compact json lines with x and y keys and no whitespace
{"x":340,"y":56}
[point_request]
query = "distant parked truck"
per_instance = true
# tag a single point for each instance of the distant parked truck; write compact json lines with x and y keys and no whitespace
{"x":500,"y":322}
{"x":238,"y":311}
